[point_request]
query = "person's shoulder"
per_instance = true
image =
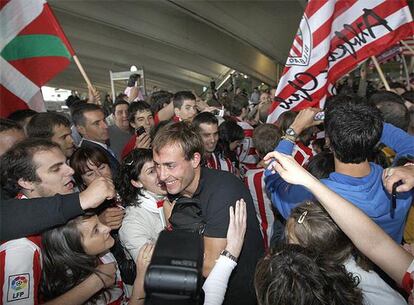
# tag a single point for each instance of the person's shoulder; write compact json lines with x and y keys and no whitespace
{"x":19,"y":245}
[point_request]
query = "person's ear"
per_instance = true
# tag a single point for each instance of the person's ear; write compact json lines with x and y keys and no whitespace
{"x":177,"y":111}
{"x":24,"y":184}
{"x":137,"y":184}
{"x":196,"y":159}
{"x":81,"y":129}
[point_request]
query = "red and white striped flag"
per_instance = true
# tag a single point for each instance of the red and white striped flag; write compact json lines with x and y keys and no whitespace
{"x":333,"y":37}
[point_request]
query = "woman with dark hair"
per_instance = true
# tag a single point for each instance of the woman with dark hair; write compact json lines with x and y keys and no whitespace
{"x":310,"y":226}
{"x":230,"y":137}
{"x":79,"y":249}
{"x":89,"y":164}
{"x":293,"y":275}
{"x":145,"y":197}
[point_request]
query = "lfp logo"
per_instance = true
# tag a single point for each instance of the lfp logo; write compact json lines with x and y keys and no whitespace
{"x":19,"y":283}
{"x":18,"y":287}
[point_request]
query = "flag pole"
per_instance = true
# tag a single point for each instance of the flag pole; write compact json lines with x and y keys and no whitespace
{"x":381,"y":74}
{"x":407,"y":46}
{"x":85,"y":76}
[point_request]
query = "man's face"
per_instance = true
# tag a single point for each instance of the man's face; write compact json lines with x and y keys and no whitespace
{"x":187,"y":111}
{"x":10,"y":137}
{"x":209,"y":134}
{"x":121,"y":117}
{"x":144,"y":119}
{"x":178,"y":174}
{"x":265,"y":97}
{"x":95,"y":128}
{"x":62,"y":135}
{"x":54,"y":174}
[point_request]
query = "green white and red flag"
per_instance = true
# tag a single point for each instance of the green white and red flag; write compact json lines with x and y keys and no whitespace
{"x":33,"y":50}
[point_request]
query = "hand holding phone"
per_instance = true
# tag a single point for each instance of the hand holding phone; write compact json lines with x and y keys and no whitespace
{"x":139,"y":131}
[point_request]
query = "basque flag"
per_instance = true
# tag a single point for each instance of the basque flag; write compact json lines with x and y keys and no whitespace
{"x":334,"y":36}
{"x":33,"y":50}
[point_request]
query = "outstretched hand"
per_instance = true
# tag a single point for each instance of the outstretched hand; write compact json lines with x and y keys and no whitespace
{"x":237,"y":228}
{"x":288,"y":168}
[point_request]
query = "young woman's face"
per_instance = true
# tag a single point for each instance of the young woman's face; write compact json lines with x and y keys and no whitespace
{"x":149,"y":179}
{"x":93,"y":172}
{"x":95,"y":236}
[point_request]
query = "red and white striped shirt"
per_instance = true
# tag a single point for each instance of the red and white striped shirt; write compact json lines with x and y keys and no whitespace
{"x":254,"y":180}
{"x":246,"y":153}
{"x":220,"y":163}
{"x":20,"y":270}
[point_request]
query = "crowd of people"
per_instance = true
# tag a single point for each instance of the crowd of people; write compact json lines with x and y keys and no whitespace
{"x":302,"y":211}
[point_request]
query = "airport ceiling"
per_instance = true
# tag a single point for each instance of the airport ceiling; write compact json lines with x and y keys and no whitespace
{"x":181,"y":44}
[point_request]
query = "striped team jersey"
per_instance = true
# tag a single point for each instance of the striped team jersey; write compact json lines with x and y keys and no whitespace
{"x":21,"y":269}
{"x":118,"y":293}
{"x":220,"y":163}
{"x":302,"y":153}
{"x":254,"y":180}
{"x":246,"y":152}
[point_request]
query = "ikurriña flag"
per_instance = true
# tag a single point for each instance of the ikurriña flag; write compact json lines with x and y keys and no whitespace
{"x":33,"y":50}
{"x":333,"y":37}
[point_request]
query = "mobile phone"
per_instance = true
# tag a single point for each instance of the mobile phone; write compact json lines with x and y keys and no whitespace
{"x":140,"y":131}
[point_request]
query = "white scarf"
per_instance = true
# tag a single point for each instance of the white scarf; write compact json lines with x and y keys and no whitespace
{"x":149,"y":201}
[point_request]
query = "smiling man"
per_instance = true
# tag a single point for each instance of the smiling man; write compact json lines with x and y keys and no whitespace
{"x":33,"y":168}
{"x":177,"y":154}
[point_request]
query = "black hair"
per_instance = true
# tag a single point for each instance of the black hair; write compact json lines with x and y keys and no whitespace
{"x":7,"y":124}
{"x":385,"y":96}
{"x":353,"y":127}
{"x":130,"y":170}
{"x":41,"y":124}
{"x":395,"y":113}
{"x":117,"y":103}
{"x":20,"y":115}
{"x":17,"y":163}
{"x":181,"y":96}
{"x":409,"y":96}
{"x":293,"y":275}
{"x":135,"y":107}
{"x":229,"y":131}
{"x":78,"y":117}
{"x":321,"y":165}
{"x":65,"y":262}
{"x":204,"y":118}
{"x":158,"y":99}
{"x":238,"y":103}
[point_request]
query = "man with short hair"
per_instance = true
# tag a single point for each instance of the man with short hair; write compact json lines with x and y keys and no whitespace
{"x":185,"y":107}
{"x":10,"y":133}
{"x":206,"y":124}
{"x":52,"y":126}
{"x":89,"y":120}
{"x":33,"y":168}
{"x":265,"y":139}
{"x":353,"y":128}
{"x":120,"y":132}
{"x":246,"y":154}
{"x":178,"y":150}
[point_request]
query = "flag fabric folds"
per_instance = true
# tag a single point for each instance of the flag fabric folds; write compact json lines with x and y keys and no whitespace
{"x":333,"y":37}
{"x":33,"y":49}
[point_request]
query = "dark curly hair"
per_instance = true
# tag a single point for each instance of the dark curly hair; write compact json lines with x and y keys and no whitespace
{"x":130,"y":170}
{"x":292,"y":275}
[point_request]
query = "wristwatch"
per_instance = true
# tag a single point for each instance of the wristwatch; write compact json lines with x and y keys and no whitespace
{"x":290,"y":134}
{"x":229,"y":255}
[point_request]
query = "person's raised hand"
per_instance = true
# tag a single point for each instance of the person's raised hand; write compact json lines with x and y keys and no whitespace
{"x":107,"y":274}
{"x":97,"y":192}
{"x":112,"y":217}
{"x":143,"y":141}
{"x":305,"y":119}
{"x":237,"y":228}
{"x":287,"y":167}
{"x":392,"y":175}
{"x":93,"y":96}
{"x":144,"y":258}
